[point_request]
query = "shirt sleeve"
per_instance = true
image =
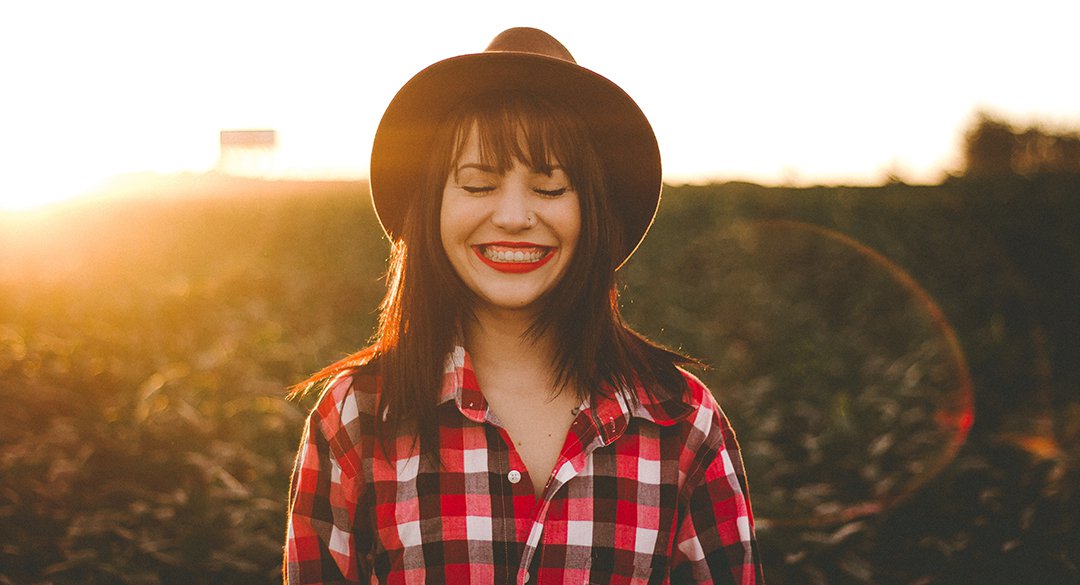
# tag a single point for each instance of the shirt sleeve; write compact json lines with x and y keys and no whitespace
{"x":321,"y":544}
{"x":715,"y":541}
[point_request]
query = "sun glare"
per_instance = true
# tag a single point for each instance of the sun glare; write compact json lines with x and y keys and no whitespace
{"x":160,"y":108}
{"x":25,"y":191}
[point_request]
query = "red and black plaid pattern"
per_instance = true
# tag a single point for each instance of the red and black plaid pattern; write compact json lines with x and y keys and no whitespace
{"x":653,"y":493}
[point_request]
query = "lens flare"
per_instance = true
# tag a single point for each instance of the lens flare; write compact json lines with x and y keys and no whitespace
{"x":844,"y":378}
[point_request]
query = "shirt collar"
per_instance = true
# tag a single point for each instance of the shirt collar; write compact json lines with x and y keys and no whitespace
{"x":613,"y":411}
{"x":459,"y":385}
{"x":609,"y":410}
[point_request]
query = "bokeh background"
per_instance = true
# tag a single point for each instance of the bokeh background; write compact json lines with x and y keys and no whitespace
{"x":900,"y":361}
{"x":870,"y":234}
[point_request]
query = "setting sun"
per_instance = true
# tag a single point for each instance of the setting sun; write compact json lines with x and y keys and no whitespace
{"x":20,"y":193}
{"x":775,"y":93}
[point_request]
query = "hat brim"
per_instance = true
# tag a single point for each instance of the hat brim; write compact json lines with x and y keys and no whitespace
{"x":622,"y":135}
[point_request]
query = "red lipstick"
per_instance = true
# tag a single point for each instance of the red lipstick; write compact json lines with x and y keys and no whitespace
{"x":495,"y":255}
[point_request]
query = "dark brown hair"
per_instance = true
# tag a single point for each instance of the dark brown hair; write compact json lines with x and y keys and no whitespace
{"x":426,"y":302}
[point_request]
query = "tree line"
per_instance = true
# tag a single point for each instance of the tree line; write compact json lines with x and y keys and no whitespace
{"x":995,"y":148}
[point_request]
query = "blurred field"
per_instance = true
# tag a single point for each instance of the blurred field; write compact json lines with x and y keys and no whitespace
{"x":146,"y":342}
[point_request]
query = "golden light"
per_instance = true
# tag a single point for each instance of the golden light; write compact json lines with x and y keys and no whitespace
{"x":788,"y":93}
{"x":20,"y":190}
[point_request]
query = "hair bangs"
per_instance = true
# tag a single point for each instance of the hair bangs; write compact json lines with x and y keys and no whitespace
{"x":512,"y":127}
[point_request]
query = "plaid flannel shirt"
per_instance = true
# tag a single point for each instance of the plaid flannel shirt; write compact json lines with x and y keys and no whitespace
{"x":648,"y":494}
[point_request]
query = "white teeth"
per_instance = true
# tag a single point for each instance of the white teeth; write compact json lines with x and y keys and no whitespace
{"x":513,"y":256}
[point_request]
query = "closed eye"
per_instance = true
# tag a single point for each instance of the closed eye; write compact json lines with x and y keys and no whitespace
{"x":476,"y":190}
{"x":551,"y":192}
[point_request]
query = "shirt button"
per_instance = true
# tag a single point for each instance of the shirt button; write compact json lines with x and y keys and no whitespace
{"x":514,"y":476}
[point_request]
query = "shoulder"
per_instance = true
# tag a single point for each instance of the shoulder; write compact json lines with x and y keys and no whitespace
{"x":343,"y":418}
{"x":692,"y":402}
{"x":355,"y":384}
{"x":707,"y":415}
{"x":701,"y":400}
{"x":347,"y":397}
{"x":707,"y":438}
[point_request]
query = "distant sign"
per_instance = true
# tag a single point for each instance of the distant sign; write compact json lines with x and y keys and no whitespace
{"x":248,"y":138}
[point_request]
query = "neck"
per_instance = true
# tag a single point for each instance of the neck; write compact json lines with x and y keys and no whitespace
{"x":498,"y":345}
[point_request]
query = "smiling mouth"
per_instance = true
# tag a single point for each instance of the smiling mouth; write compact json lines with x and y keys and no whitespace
{"x":518,"y":258}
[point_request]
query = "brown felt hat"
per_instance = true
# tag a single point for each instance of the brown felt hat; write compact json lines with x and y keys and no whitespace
{"x":524,"y":59}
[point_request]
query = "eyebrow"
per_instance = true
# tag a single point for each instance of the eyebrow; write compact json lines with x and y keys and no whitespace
{"x":542,"y":170}
{"x":480,"y":167}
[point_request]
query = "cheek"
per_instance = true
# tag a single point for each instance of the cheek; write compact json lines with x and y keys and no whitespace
{"x":456,"y":225}
{"x":446,"y":224}
{"x":572,"y":222}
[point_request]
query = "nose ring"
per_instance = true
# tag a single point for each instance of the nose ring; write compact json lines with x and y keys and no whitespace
{"x":530,"y":219}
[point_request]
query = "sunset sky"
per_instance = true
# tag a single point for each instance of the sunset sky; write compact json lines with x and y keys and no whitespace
{"x":833,"y":91}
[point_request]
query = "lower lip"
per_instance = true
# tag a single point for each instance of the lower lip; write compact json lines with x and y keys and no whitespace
{"x":514,"y":267}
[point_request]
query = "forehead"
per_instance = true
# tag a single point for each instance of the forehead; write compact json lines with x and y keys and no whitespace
{"x":467,"y":146}
{"x":500,"y":143}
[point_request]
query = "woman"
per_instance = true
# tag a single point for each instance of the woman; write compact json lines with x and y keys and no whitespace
{"x":506,"y":426}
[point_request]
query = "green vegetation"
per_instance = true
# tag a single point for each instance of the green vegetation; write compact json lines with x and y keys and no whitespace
{"x":146,"y":344}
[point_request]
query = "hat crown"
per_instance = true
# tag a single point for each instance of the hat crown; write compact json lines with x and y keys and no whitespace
{"x":529,"y":40}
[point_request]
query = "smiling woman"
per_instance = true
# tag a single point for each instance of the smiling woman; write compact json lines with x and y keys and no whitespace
{"x":504,"y":394}
{"x":510,"y":227}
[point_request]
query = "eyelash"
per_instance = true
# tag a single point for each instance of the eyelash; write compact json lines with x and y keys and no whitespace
{"x":541,"y":192}
{"x":551,"y":192}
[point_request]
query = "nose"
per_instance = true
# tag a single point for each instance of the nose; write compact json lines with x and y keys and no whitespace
{"x":512,"y":207}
